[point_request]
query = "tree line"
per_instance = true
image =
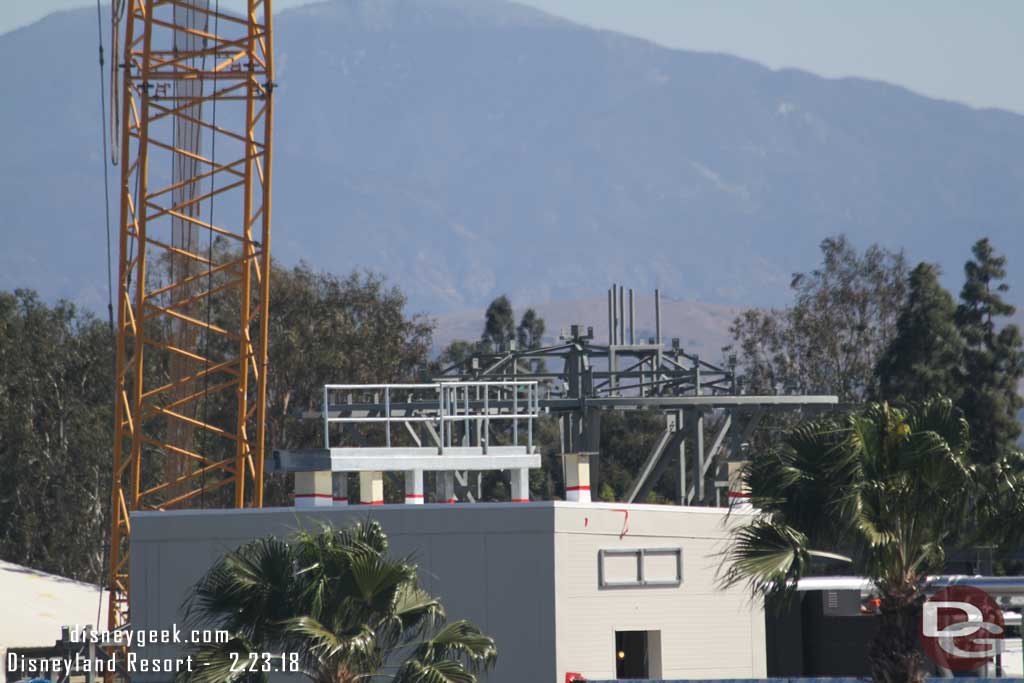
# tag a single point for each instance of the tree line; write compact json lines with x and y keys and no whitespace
{"x":864,"y":325}
{"x":56,"y":400}
{"x":921,"y":464}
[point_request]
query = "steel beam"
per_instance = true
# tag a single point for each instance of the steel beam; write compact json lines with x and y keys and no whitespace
{"x":401,"y":459}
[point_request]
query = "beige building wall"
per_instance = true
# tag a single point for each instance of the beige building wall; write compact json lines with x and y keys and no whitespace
{"x":704,"y":632}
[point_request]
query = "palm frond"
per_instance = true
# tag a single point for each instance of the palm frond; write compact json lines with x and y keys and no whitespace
{"x":444,"y":671}
{"x":459,"y":640}
{"x":767,"y":556}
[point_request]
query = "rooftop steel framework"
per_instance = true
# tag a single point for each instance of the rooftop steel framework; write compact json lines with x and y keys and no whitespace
{"x":707,"y":421}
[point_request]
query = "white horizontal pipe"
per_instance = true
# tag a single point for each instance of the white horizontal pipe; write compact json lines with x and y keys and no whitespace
{"x":453,"y":383}
{"x":382,"y":419}
{"x":446,"y":418}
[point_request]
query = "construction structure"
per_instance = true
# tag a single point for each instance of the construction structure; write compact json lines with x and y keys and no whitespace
{"x":708,"y":422}
{"x":192,"y":110}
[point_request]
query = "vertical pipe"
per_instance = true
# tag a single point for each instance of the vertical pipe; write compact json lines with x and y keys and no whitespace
{"x":529,"y":420}
{"x":387,"y":416}
{"x":327,"y":435}
{"x":615,"y":314}
{"x":440,"y":419}
{"x":467,"y":425}
{"x":681,"y":423}
{"x":479,"y":425}
{"x":701,"y":455}
{"x":657,"y":316}
{"x":264,"y":270}
{"x":452,"y":412}
{"x":515,"y":400}
{"x":515,"y":411}
{"x":487,"y":421}
{"x":632,"y":317}
{"x":611,"y":320}
{"x":622,"y":316}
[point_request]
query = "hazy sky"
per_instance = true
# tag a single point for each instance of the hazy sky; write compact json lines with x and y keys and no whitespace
{"x":969,"y":51}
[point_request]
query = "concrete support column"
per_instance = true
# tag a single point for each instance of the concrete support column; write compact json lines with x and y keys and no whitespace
{"x":520,"y":486}
{"x":339,"y":487}
{"x":313,"y":489}
{"x":577,"y":477}
{"x":371,"y":488}
{"x":414,"y":487}
{"x":446,"y":487}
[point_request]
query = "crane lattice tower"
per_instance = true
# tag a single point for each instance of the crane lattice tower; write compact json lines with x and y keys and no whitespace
{"x":192,"y":118}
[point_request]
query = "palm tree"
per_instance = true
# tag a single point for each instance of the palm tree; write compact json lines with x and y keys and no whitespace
{"x":333,"y":606}
{"x":887,"y":490}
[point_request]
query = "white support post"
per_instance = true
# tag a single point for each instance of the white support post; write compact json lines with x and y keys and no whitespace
{"x":520,"y":485}
{"x":577,"y":477}
{"x":446,"y":487}
{"x":371,"y":488}
{"x":339,"y":487}
{"x":313,"y":489}
{"x":414,"y":487}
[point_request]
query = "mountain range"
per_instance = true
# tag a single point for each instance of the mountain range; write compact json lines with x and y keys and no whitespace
{"x":469,"y":148}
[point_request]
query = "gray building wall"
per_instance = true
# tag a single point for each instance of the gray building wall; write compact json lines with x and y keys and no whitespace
{"x":490,"y":564}
{"x":527,"y":574}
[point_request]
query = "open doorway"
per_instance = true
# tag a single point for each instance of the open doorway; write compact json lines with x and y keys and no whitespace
{"x":637,"y":654}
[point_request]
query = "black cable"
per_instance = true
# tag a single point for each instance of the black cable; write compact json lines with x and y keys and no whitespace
{"x":110,"y":284}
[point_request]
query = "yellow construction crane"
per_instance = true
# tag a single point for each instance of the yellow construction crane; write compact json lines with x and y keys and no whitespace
{"x":192,"y":110}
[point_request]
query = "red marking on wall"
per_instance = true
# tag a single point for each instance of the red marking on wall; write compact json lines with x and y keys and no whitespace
{"x":340,"y":499}
{"x":414,"y":495}
{"x":577,"y":488}
{"x":313,"y":495}
{"x":586,"y":522}
{"x":520,"y":500}
{"x":625,"y":521}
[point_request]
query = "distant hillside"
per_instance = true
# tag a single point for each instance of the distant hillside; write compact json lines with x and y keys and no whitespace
{"x":468,"y":148}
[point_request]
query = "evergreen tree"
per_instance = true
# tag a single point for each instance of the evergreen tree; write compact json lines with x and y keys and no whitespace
{"x":530,"y":335}
{"x":530,"y":332}
{"x":925,"y":356}
{"x":499,"y":324}
{"x":994,"y":356}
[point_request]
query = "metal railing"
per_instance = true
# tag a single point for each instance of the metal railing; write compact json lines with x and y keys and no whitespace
{"x":450,"y":405}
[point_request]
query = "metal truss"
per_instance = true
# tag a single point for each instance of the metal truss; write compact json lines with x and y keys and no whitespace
{"x":195,"y":116}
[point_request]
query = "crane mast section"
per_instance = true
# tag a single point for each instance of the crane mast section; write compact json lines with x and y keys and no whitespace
{"x":194,"y":117}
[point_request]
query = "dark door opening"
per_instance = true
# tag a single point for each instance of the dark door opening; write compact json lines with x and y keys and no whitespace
{"x":631,"y":655}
